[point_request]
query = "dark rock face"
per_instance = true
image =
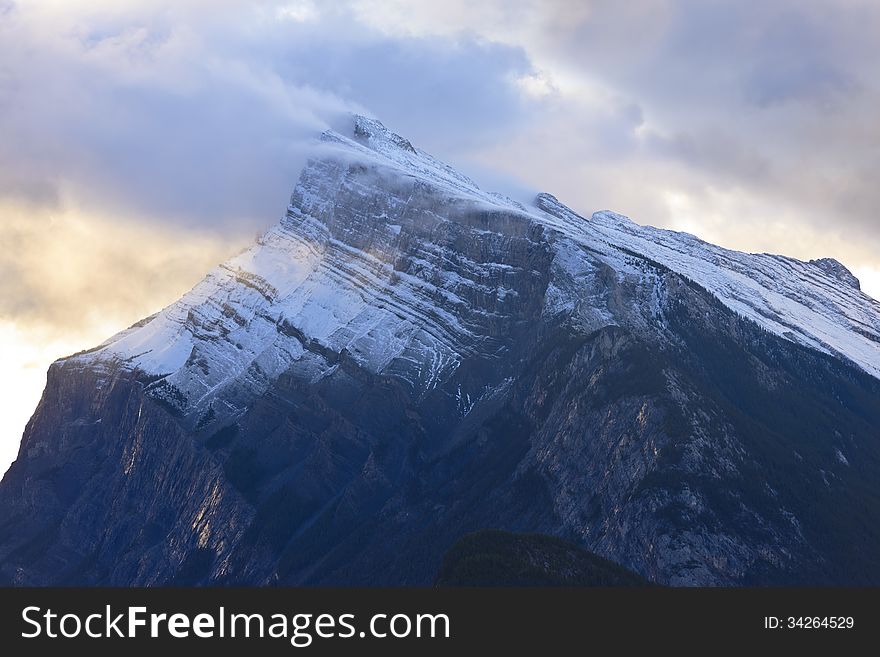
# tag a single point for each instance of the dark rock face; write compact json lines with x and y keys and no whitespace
{"x":495,"y":373}
{"x":109,"y":489}
{"x":496,"y":558}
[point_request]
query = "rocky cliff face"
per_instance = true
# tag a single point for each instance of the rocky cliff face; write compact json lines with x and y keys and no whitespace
{"x":406,"y":358}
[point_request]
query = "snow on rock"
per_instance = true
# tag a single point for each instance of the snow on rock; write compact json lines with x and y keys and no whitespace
{"x":801,"y":301}
{"x":394,"y":259}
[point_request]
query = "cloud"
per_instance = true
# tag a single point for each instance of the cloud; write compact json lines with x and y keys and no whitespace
{"x":65,"y":274}
{"x":148,"y":119}
{"x":203,"y":117}
{"x":196,"y":115}
{"x":773,"y":105}
{"x":68,"y":281}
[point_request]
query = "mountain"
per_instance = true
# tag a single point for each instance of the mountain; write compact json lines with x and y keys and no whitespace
{"x":496,"y":558}
{"x":405,"y":358}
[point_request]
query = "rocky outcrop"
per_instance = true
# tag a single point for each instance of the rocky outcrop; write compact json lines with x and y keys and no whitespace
{"x":838,"y":270}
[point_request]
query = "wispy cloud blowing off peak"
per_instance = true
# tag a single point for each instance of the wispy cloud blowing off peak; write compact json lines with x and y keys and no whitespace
{"x":199,"y":115}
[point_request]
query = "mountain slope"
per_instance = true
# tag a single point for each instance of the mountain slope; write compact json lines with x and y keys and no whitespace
{"x":404,"y":358}
{"x":494,"y":558}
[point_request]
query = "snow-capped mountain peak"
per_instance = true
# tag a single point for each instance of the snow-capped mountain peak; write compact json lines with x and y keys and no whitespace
{"x":399,"y":262}
{"x":404,"y":356}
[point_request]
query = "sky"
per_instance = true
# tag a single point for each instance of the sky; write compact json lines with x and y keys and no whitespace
{"x":144,"y":142}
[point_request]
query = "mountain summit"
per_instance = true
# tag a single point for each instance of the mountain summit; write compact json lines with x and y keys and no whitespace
{"x":406,"y":358}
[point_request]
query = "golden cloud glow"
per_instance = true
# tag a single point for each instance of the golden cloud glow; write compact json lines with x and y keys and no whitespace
{"x":69,"y":281}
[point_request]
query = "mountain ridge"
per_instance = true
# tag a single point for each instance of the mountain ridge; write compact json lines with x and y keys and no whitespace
{"x":748,"y":288}
{"x":405,"y":358}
